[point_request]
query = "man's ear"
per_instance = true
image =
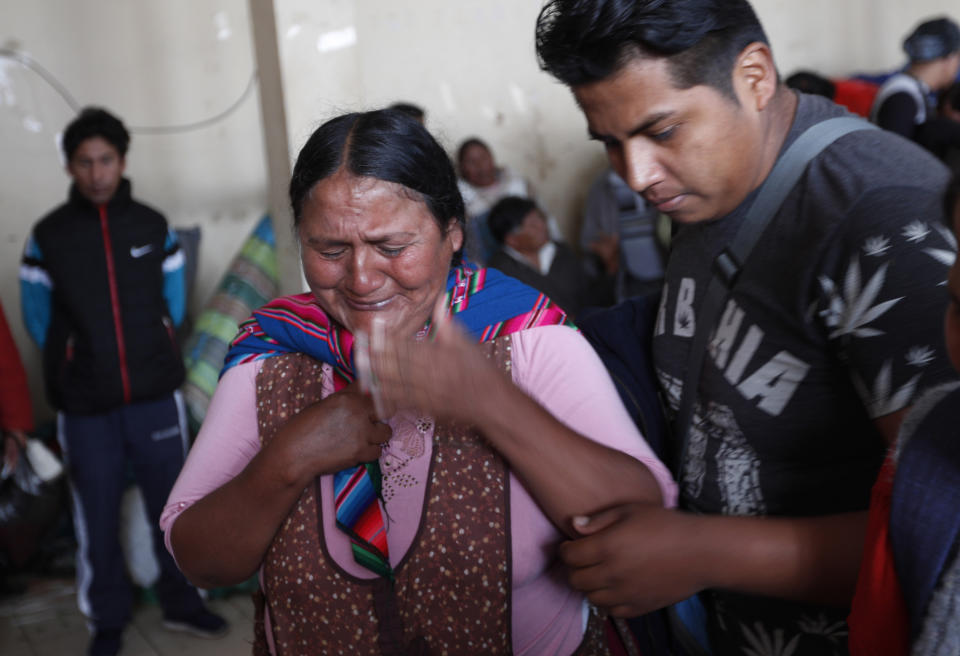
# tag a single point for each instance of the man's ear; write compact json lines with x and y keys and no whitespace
{"x":755,"y":78}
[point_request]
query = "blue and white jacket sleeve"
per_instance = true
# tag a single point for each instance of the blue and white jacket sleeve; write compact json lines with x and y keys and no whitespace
{"x":174,"y":278}
{"x":36,"y":292}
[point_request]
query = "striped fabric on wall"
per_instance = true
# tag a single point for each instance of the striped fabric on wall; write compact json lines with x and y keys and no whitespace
{"x":250,"y":281}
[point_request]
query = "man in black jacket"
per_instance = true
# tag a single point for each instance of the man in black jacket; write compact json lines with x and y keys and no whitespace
{"x":102,"y":290}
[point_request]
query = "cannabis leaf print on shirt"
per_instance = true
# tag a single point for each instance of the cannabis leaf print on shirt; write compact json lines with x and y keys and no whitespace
{"x":920,"y":356}
{"x":916,"y":231}
{"x":833,"y":632}
{"x":857,"y":302}
{"x":876,"y":246}
{"x":882,"y":399}
{"x":944,"y":255}
{"x":822,"y":625}
{"x":761,"y":643}
{"x":850,"y":312}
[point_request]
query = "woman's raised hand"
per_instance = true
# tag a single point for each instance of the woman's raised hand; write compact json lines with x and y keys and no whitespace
{"x":448,"y":377}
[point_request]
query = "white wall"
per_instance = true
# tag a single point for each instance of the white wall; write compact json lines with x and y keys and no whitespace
{"x":470,"y":63}
{"x":839,"y":37}
{"x":154,"y":64}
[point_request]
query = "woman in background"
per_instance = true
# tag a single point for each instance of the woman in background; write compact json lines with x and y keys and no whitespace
{"x":482,"y":183}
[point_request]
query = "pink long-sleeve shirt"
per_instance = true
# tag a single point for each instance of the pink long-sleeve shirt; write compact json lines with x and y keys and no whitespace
{"x":553,"y":364}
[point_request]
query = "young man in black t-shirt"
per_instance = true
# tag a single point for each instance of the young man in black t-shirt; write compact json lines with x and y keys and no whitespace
{"x":824,"y":341}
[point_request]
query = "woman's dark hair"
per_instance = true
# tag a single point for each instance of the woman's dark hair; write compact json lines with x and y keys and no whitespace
{"x":470,"y":141}
{"x":932,"y":39}
{"x":95,"y":122}
{"x":387,"y":145}
{"x":584,"y":41}
{"x":507,"y":215}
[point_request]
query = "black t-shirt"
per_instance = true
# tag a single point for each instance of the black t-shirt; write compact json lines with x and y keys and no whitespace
{"x":836,"y":320}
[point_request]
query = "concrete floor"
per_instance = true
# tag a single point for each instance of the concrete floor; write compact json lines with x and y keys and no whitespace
{"x":44,"y":621}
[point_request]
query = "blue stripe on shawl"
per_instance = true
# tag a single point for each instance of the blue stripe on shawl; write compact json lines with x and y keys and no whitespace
{"x":501,"y":298}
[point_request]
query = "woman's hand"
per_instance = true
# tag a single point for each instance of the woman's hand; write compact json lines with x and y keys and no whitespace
{"x":222,"y":538}
{"x":338,"y":432}
{"x":449,"y":377}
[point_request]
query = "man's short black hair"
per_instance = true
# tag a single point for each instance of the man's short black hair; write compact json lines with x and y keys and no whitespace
{"x":507,"y":215}
{"x":95,"y":122}
{"x":584,"y":41}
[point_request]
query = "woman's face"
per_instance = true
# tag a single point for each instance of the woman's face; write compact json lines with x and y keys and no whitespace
{"x":477,"y":166}
{"x":370,"y":250}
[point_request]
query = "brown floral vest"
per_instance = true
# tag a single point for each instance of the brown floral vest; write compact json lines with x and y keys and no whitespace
{"x":452,"y":589}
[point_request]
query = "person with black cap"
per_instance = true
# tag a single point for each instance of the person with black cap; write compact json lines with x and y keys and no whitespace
{"x":905,"y":103}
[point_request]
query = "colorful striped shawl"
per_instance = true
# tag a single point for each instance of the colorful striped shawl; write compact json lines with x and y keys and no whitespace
{"x":486,"y":302}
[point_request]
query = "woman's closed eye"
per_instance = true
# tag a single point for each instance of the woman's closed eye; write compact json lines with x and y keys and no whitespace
{"x":390,"y":250}
{"x":331,"y":253}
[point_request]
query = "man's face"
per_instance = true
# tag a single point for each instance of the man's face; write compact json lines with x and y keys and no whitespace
{"x":96,"y":168}
{"x":693,"y":153}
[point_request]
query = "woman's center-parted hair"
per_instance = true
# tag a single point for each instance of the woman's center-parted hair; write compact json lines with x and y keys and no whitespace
{"x":387,"y":145}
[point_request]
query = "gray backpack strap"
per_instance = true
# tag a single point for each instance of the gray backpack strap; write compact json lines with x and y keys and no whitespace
{"x":727,"y":266}
{"x":640,"y":256}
